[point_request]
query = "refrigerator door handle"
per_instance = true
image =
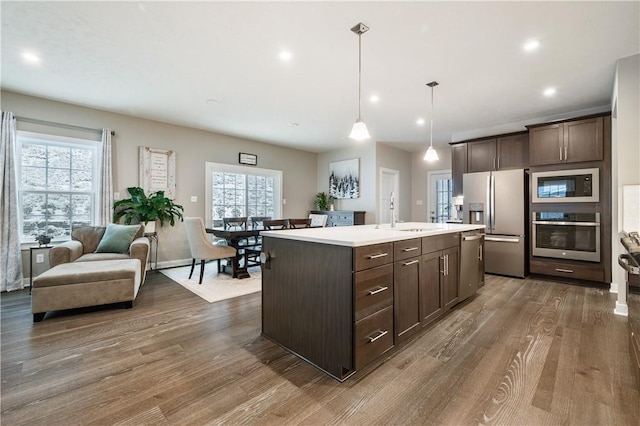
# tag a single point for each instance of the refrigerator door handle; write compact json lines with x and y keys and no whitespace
{"x":487,"y":216}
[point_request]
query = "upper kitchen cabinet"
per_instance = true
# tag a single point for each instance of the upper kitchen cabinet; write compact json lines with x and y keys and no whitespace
{"x":567,"y":142}
{"x":499,"y":153}
{"x":458,"y":166}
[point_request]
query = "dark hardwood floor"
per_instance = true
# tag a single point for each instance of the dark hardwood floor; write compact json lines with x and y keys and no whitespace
{"x":521,"y":352}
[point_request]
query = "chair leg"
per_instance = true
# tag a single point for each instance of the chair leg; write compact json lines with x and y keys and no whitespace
{"x":193,"y":264}
{"x":38,"y":317}
{"x":219,"y":269}
{"x":201,"y":271}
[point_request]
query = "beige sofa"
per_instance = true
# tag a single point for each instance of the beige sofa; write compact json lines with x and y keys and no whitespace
{"x":79,"y":277}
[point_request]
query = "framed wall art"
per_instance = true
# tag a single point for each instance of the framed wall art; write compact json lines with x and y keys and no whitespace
{"x":157,"y":171}
{"x":344,"y":179}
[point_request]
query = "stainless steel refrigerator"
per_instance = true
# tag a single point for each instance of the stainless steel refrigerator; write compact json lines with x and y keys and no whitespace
{"x":497,"y":200}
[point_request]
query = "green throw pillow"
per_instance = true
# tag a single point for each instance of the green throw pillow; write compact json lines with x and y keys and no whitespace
{"x":117,"y":238}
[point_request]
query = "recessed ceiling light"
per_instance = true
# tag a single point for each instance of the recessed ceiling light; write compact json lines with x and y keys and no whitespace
{"x":285,"y":56}
{"x":420,"y":121}
{"x":530,"y":45}
{"x":212,"y":101}
{"x":294,"y":125}
{"x":374,"y":99}
{"x":550,"y":91}
{"x":30,"y":57}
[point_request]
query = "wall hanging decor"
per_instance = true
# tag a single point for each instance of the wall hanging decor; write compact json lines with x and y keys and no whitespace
{"x":157,"y":171}
{"x":344,"y":178}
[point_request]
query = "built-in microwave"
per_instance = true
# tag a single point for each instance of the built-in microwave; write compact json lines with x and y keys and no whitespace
{"x":566,"y":186}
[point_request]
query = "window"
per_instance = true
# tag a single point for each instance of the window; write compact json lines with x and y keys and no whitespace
{"x":440,"y":195}
{"x":57,"y":180}
{"x":236,"y":191}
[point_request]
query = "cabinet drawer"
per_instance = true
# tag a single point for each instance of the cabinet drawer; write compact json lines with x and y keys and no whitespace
{"x":440,"y":242}
{"x":374,"y":336}
{"x":406,"y":249}
{"x":568,"y":270}
{"x":373,"y":290}
{"x":371,"y":256}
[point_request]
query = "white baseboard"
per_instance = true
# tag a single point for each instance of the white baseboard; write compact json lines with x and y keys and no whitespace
{"x":174,"y":263}
{"x":614,"y":288}
{"x":621,"y":309}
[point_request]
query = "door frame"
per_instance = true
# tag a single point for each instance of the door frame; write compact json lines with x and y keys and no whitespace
{"x":395,"y":177}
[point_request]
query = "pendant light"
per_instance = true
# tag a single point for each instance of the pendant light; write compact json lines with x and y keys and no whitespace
{"x":359,"y":131}
{"x":431,"y":154}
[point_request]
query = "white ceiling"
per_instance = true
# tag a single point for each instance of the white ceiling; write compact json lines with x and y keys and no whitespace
{"x":165,"y":60}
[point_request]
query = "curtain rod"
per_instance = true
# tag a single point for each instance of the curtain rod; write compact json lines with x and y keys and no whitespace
{"x":62,"y":125}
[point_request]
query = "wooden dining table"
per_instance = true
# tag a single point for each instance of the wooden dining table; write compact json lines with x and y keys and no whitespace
{"x":234,"y":238}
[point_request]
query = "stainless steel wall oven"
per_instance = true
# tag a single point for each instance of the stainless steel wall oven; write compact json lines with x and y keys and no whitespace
{"x":566,"y":235}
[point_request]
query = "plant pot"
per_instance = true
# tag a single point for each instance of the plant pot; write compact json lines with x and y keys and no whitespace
{"x":150,"y":227}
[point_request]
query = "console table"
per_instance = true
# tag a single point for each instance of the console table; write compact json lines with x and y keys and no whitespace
{"x":342,"y":217}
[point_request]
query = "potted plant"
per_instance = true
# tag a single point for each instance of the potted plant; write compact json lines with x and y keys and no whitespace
{"x":147,"y":209}
{"x":323,"y":201}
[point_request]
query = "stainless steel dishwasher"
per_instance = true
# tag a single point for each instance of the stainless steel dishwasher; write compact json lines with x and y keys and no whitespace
{"x":471,"y":263}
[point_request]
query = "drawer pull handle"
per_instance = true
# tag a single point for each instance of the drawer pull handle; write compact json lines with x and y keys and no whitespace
{"x":409,"y":249}
{"x":569,"y":271}
{"x":411,"y":262}
{"x":377,"y":290}
{"x":380,"y":334}
{"x":376,"y":256}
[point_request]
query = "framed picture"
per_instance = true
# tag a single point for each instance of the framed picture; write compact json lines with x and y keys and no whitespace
{"x":344,"y":178}
{"x":250,"y":159}
{"x":157,"y":171}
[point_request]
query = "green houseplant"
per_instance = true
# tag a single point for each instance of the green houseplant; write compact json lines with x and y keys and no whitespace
{"x":141,"y":208}
{"x":323,"y":201}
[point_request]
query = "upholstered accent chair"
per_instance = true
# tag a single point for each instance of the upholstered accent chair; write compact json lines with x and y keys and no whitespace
{"x":84,"y":243}
{"x":201,"y":248}
{"x":318,"y":220}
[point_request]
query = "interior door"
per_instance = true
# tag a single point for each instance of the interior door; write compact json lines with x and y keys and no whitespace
{"x":389,"y":182}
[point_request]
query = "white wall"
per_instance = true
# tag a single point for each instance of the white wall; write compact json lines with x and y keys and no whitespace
{"x":193,"y":148}
{"x":625,"y":157}
{"x":366,"y":152}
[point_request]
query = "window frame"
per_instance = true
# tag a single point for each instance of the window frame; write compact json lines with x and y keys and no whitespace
{"x":25,"y":137}
{"x":211,"y":167}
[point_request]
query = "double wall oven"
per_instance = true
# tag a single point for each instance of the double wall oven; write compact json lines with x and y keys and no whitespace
{"x":561,"y":232}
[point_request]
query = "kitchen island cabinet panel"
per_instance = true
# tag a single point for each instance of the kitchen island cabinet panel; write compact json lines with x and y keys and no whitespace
{"x":431,"y":301}
{"x":450,"y":282}
{"x":374,"y":336}
{"x":307,"y":302}
{"x":406,"y":297}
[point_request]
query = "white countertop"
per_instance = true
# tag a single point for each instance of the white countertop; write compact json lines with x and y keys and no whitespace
{"x":364,"y":235}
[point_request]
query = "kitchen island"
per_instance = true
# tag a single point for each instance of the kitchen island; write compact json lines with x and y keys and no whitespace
{"x":341,"y":297}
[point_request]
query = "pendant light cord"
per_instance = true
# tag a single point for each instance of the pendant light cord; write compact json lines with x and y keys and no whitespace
{"x":359,"y":73}
{"x":431,"y":137}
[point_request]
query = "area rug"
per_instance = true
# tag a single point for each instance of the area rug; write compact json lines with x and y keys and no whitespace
{"x":215,"y":286}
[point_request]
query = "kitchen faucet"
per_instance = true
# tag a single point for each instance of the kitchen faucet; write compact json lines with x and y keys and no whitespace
{"x":392,"y":210}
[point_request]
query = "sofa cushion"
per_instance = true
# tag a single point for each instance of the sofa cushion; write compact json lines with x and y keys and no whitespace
{"x":89,"y":236}
{"x":92,"y":257}
{"x":117,"y":238}
{"x":88,"y":272}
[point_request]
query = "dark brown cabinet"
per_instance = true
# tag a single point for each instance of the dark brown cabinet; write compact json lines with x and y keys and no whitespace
{"x":441,"y":259}
{"x":450,"y":261}
{"x":568,"y":142}
{"x":458,"y":166}
{"x":406,"y":278}
{"x":500,"y":153}
{"x":431,"y":302}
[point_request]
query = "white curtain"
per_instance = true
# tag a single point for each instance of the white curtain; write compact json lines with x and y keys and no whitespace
{"x":105,"y":210}
{"x":10,"y":254}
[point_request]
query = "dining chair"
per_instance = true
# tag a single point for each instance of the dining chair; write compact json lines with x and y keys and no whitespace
{"x":234,"y":222}
{"x":257,"y":221}
{"x":299,"y":223}
{"x":318,"y":220}
{"x":201,"y":248}
{"x":275,"y":224}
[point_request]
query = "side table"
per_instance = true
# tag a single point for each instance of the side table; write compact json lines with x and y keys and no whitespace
{"x":153,"y":238}
{"x":31,"y":250}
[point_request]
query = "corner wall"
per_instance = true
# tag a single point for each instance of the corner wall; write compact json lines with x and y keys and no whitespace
{"x":193,"y":148}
